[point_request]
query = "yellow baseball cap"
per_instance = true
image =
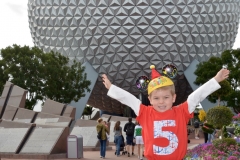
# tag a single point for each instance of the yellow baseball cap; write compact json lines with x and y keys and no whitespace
{"x":158,"y":81}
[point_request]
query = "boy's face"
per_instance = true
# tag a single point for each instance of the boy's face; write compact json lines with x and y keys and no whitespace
{"x":162,"y":99}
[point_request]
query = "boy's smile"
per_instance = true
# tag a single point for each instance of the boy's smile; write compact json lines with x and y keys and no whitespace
{"x":162,"y":99}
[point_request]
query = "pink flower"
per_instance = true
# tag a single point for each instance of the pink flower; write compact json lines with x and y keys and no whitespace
{"x":207,"y":151}
{"x":236,"y":117}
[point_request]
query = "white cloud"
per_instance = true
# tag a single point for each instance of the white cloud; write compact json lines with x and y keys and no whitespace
{"x":14,"y":27}
{"x":19,"y":9}
{"x":237,"y":40}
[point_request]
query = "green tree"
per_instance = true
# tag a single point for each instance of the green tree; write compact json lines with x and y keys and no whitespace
{"x":88,"y":110}
{"x":223,"y":92}
{"x":44,"y":75}
{"x":229,"y":88}
{"x":231,"y":58}
{"x":219,"y":116}
{"x":208,"y":69}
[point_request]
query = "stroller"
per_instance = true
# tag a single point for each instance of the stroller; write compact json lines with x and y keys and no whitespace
{"x":122,"y":147}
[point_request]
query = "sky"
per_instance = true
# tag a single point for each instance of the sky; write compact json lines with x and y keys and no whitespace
{"x":14,"y":26}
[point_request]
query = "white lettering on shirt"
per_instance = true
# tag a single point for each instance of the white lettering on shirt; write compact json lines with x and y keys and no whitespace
{"x":158,"y":132}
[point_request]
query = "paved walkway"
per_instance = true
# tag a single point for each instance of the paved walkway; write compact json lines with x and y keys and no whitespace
{"x":94,"y":155}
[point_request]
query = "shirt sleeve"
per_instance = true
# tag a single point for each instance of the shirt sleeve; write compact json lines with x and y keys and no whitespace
{"x":185,"y":112}
{"x":141,"y":118}
{"x":125,"y":98}
{"x":201,"y":93}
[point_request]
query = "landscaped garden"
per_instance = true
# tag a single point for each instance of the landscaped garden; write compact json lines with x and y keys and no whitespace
{"x":219,"y":149}
{"x":219,"y":122}
{"x":226,"y":145}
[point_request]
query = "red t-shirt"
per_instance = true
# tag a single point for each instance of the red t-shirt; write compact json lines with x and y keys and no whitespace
{"x":164,"y":133}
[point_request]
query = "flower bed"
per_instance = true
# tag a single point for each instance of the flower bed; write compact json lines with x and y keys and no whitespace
{"x":208,"y":151}
{"x":236,"y":125}
{"x":236,"y":117}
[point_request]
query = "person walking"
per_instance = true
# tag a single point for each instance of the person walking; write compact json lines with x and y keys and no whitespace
{"x":196,"y":128}
{"x":204,"y":132}
{"x":117,"y":137}
{"x":209,"y":132}
{"x":134,"y":142}
{"x":139,"y":140}
{"x":102,"y":130}
{"x":211,"y":136}
{"x":129,"y":129}
{"x":106,"y":125}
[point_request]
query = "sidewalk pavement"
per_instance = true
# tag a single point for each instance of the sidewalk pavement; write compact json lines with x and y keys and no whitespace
{"x":110,"y":154}
{"x":90,"y":155}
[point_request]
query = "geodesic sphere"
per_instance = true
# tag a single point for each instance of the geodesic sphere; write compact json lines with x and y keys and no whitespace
{"x":122,"y":38}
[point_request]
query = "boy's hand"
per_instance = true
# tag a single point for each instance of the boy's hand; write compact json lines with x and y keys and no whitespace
{"x":222,"y":75}
{"x":106,"y":81}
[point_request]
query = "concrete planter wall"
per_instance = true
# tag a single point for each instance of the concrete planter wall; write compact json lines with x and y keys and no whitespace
{"x":124,"y":37}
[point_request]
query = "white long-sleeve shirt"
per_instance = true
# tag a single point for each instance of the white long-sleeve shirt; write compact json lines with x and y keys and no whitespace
{"x":193,"y":99}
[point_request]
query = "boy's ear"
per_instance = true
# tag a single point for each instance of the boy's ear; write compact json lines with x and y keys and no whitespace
{"x":174,"y":98}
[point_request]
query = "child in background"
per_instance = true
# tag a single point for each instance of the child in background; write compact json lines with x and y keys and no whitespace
{"x":139,"y":140}
{"x":164,"y":126}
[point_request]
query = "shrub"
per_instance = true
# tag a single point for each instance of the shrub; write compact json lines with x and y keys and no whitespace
{"x":208,"y":151}
{"x":208,"y":128}
{"x":237,"y":130}
{"x":224,"y":132}
{"x":224,"y":144}
{"x":219,"y":116}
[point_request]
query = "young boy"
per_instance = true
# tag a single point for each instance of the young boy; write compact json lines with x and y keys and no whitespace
{"x":164,"y":126}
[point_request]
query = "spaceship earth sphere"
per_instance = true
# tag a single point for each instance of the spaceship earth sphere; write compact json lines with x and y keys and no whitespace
{"x":122,"y":38}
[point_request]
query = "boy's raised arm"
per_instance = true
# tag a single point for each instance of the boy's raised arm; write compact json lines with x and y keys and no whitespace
{"x":222,"y":75}
{"x":121,"y":95}
{"x":106,"y":81}
{"x":206,"y":89}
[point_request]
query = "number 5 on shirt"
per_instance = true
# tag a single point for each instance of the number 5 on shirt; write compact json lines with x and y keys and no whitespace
{"x":158,"y":132}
